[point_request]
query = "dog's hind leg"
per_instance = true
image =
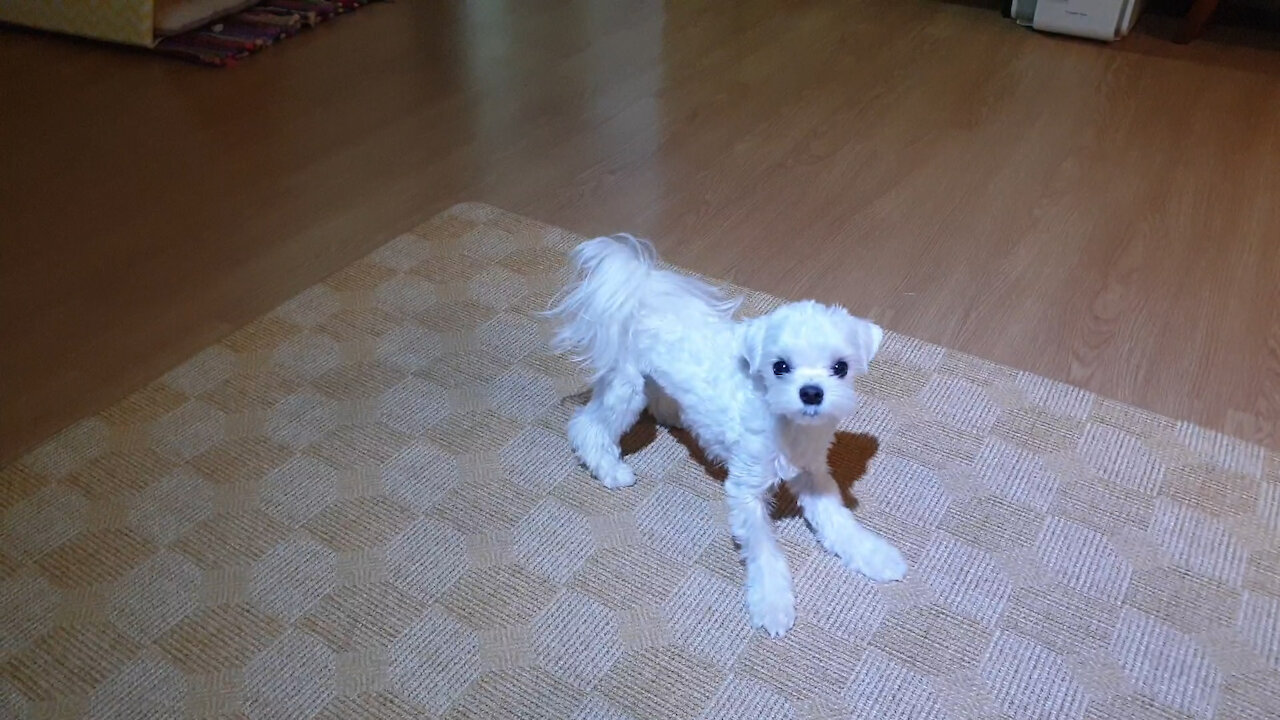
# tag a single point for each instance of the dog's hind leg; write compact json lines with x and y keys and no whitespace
{"x":664,"y":409}
{"x":617,"y":399}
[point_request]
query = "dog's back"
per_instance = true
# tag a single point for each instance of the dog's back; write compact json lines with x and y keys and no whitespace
{"x":617,"y":280}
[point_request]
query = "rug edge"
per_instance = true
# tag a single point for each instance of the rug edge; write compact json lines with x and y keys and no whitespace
{"x":482,"y":212}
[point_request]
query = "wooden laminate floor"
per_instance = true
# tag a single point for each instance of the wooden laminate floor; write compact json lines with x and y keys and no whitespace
{"x":1103,"y":215}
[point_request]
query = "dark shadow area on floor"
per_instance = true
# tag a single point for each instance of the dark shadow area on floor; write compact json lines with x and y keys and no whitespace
{"x":1238,"y":23}
{"x":849,"y":457}
{"x":1249,"y":24}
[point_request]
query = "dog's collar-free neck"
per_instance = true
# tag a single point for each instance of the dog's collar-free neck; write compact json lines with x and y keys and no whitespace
{"x":800,"y":440}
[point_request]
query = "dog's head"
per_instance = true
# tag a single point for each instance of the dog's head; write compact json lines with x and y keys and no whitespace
{"x":805,"y":356}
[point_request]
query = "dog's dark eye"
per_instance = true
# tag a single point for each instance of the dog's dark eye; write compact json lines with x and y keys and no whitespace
{"x":781,"y":368}
{"x":840,"y":369}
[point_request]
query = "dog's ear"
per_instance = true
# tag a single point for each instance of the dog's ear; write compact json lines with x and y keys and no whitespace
{"x":751,"y":339}
{"x":863,"y":336}
{"x":866,"y":338}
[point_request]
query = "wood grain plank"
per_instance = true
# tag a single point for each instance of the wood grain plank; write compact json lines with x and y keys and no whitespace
{"x":1104,"y":215}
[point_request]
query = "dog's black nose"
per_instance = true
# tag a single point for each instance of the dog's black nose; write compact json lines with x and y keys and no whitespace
{"x":810,"y":394}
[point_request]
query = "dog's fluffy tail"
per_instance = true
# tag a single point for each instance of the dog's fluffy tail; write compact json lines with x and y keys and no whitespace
{"x":617,"y":278}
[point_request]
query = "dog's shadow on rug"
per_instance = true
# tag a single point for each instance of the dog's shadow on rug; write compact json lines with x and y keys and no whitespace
{"x":848,"y":458}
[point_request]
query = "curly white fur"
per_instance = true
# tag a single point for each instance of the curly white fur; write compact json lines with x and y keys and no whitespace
{"x":762,"y":397}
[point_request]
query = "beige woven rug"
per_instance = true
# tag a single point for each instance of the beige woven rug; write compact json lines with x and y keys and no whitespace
{"x":363,"y":506}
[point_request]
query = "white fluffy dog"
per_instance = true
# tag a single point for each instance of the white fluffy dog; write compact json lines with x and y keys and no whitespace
{"x":761,"y":396}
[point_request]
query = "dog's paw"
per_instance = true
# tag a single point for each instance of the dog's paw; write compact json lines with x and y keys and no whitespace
{"x":879,"y":561}
{"x":772,"y":609}
{"x":619,"y":476}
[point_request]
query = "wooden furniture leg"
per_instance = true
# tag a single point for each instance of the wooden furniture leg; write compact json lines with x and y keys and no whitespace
{"x":1197,"y":16}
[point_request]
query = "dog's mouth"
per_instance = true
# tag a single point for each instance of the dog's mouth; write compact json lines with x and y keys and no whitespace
{"x":809,"y":413}
{"x":818,"y":414}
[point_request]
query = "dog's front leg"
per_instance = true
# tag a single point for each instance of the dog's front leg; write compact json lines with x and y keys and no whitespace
{"x":860,"y":549}
{"x":770,"y":601}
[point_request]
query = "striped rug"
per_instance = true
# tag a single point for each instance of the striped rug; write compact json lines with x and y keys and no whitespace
{"x":228,"y":40}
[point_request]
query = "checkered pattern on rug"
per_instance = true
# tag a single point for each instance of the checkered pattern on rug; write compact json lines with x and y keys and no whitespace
{"x":363,"y":506}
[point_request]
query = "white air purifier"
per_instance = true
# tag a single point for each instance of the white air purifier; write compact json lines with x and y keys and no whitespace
{"x":1095,"y":19}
